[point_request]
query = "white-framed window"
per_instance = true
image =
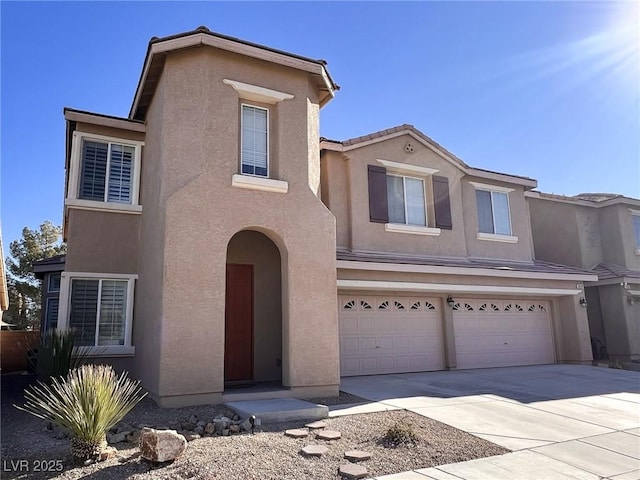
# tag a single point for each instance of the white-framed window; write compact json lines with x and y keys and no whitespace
{"x":53,"y":283}
{"x":406,"y":200}
{"x":99,"y":309}
{"x":635,"y":219}
{"x":254,"y":150}
{"x":494,"y":216}
{"x":104,"y":172}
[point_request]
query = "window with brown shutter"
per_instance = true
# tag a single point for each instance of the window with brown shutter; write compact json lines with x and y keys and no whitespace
{"x":441,"y":202}
{"x":378,"y":194}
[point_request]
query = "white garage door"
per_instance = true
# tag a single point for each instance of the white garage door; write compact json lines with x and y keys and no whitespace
{"x":502,"y":333}
{"x":389,"y":335}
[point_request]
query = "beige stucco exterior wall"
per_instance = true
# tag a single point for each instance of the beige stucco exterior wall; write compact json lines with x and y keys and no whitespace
{"x":573,"y":325}
{"x":102,"y":242}
{"x":366,"y":235}
{"x":148,"y":312}
{"x":618,"y":236}
{"x":336,"y":194}
{"x":555,"y":232}
{"x":621,"y":328}
{"x":194,"y":129}
{"x":347,"y":195}
{"x":254,"y":248}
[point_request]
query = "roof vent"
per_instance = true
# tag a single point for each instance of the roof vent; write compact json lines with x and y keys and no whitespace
{"x":202,"y":28}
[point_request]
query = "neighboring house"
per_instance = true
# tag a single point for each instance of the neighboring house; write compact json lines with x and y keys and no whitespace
{"x":601,"y":233}
{"x":202,"y":234}
{"x":49,"y":271}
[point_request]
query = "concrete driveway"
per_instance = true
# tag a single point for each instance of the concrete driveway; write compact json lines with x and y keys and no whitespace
{"x":560,"y":421}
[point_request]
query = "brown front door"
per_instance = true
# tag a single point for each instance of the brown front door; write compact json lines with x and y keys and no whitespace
{"x":238,"y":343}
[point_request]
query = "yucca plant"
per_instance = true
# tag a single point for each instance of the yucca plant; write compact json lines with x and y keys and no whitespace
{"x":88,"y":402}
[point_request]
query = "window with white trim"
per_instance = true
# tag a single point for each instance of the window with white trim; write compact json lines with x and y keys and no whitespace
{"x":99,"y":309}
{"x":493,"y":212}
{"x":406,"y":200}
{"x":255,"y":141}
{"x":105,"y":172}
{"x":636,"y":227}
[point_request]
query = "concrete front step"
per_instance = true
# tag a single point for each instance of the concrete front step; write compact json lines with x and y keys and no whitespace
{"x":279,"y":410}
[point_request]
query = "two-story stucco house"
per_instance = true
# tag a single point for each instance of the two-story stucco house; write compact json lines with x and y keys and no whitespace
{"x":601,"y":233}
{"x":215,"y":240}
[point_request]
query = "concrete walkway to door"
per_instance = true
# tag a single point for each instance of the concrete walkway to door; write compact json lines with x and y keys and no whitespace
{"x":560,"y":421}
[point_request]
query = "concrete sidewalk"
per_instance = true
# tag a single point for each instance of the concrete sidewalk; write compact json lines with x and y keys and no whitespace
{"x":561,"y":421}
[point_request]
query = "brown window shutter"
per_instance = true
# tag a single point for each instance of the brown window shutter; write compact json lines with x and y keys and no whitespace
{"x":378,"y":194}
{"x":442,"y":203}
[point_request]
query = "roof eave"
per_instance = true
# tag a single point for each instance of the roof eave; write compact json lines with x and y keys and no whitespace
{"x":205,"y":38}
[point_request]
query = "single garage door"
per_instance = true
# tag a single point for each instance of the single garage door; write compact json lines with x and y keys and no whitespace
{"x":504,"y":333}
{"x":389,"y":335}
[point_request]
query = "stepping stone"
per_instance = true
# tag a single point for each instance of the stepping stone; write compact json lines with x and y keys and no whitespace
{"x":314,"y":450}
{"x":316,"y":425}
{"x":328,"y":435}
{"x":296,"y":433}
{"x":357,"y":456}
{"x":351,"y":470}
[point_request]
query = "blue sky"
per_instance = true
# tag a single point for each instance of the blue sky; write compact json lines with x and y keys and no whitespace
{"x":548,"y":90}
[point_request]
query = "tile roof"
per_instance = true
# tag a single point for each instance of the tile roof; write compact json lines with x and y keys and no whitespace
{"x":497,"y":264}
{"x":607,"y":271}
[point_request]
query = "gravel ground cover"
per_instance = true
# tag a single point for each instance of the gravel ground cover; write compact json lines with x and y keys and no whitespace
{"x":268,"y":454}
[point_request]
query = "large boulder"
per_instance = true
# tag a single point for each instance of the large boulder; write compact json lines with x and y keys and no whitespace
{"x":161,"y":445}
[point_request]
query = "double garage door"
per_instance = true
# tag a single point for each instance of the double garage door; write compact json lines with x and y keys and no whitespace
{"x":384,"y":334}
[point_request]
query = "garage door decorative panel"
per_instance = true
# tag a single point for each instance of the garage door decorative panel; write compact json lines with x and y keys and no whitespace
{"x":383,"y":334}
{"x":502,"y":333}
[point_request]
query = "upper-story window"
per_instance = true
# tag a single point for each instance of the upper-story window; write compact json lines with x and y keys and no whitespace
{"x":494,"y":216}
{"x":255,"y":141}
{"x":406,"y":201}
{"x":400,"y":196}
{"x":493,"y":212}
{"x":105,"y":172}
{"x":635,"y":218}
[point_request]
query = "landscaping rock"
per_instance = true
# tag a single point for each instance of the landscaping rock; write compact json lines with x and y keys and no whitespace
{"x":225,"y":432}
{"x":245,"y":426}
{"x":235,"y":418}
{"x":201,"y":423}
{"x":161,"y":445}
{"x":316,"y":425}
{"x":296,"y":433}
{"x":210,"y":428}
{"x":134,"y":437}
{"x":352,"y":471}
{"x":234,"y":428}
{"x":117,"y":437}
{"x":357,"y":455}
{"x":314,"y":450}
{"x":328,"y":435}
{"x":187,"y":425}
{"x":124,"y":427}
{"x":193,"y":419}
{"x":198,"y":431}
{"x":107,"y":453}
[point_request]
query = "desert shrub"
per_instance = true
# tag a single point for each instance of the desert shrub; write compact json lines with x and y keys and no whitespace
{"x":87,"y":402}
{"x":400,"y":433}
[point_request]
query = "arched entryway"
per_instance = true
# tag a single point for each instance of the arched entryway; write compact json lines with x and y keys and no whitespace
{"x":253,"y":311}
